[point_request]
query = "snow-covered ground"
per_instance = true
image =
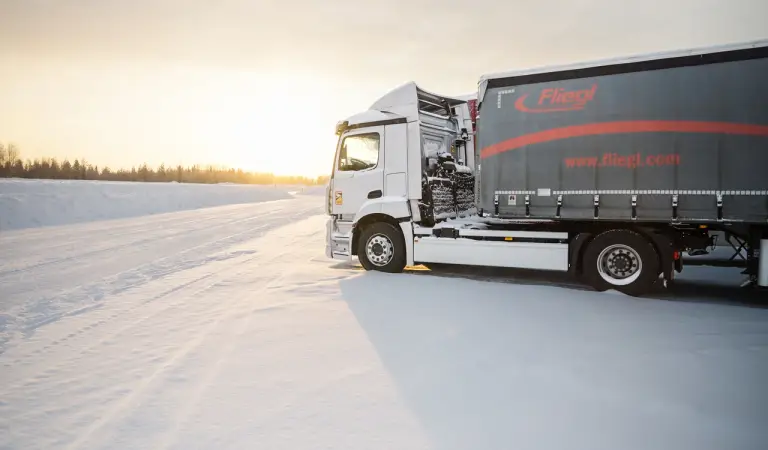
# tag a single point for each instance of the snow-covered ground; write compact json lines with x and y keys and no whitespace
{"x":32,"y":203}
{"x":226,"y":328}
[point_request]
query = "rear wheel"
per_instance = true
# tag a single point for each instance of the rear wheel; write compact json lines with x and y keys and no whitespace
{"x":622,"y":260}
{"x":381,"y":247}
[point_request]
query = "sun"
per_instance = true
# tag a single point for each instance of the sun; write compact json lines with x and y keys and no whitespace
{"x":265,"y":125}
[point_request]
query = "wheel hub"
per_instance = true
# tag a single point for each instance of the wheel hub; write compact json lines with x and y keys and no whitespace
{"x":622,"y":263}
{"x":379,"y":250}
{"x":619,"y":264}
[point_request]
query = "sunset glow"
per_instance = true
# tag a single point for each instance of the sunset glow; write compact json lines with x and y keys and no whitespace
{"x":260,"y":85}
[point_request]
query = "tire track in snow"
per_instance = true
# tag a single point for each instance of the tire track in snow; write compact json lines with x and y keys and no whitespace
{"x":119,"y":230}
{"x":128,"y":402}
{"x":51,"y":371}
{"x":139,"y":242}
{"x":142,"y":274}
{"x":204,"y":382}
{"x":106,"y":369}
{"x":119,"y":226}
{"x":180,"y":300}
{"x":26,"y":242}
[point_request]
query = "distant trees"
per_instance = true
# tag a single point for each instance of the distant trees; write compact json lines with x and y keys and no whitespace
{"x":10,"y":162}
{"x":12,"y":166}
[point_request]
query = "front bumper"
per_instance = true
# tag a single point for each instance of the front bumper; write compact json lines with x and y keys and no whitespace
{"x":338,"y":242}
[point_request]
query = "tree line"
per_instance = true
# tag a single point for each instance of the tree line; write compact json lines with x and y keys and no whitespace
{"x":13,"y":166}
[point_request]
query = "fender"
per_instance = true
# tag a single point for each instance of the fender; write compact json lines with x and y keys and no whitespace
{"x":395,"y":207}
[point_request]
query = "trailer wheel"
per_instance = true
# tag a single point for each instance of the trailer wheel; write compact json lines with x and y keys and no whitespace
{"x":623,"y":260}
{"x":382,"y":248}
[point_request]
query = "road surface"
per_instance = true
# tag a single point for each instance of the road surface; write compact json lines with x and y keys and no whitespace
{"x":226,"y":328}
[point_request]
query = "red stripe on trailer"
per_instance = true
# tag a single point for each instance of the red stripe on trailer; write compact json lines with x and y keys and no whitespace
{"x":640,"y":126}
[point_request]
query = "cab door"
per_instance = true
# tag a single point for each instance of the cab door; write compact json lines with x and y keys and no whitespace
{"x":358,"y":173}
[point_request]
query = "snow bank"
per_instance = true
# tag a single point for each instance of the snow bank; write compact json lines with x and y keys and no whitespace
{"x":37,"y":203}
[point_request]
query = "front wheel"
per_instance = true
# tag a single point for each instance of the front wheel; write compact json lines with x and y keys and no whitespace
{"x":382,"y":247}
{"x":622,"y":260}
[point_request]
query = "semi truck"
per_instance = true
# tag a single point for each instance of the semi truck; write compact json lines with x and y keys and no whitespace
{"x":610,"y":170}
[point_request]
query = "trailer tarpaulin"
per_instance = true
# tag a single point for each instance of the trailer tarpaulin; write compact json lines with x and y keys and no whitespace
{"x":689,"y":142}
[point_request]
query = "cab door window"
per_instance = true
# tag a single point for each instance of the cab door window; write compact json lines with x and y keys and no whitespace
{"x":359,"y":152}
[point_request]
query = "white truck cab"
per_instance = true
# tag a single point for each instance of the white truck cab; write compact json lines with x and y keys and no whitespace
{"x":381,"y":160}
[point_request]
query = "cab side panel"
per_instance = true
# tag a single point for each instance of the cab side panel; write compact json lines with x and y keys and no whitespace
{"x":395,"y":182}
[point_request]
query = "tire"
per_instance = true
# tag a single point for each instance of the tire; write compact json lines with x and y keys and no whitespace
{"x":622,"y":260}
{"x":382,"y":248}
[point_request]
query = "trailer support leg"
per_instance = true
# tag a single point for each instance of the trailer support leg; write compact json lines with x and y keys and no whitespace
{"x":757,"y":257}
{"x":762,"y":269}
{"x":742,"y":244}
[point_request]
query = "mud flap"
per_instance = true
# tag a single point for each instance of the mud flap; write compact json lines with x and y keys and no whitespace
{"x":666,"y":251}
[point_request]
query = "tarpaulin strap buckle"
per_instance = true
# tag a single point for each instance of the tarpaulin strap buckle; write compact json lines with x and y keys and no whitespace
{"x":674,"y":207}
{"x":719,"y":206}
{"x":634,"y":207}
{"x":597,"y":206}
{"x":527,"y":206}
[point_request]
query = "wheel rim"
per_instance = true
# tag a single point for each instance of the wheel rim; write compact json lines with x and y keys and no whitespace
{"x":619,"y":265}
{"x":379,"y":250}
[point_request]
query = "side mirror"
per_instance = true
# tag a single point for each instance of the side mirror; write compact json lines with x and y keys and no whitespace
{"x":341,"y":127}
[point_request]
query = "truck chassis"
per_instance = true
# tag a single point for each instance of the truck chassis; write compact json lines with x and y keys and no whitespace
{"x":630,"y":259}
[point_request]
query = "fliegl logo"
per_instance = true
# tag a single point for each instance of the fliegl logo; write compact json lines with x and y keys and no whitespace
{"x":557,"y":99}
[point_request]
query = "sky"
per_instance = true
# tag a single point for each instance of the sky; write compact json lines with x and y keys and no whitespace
{"x":260,"y":84}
